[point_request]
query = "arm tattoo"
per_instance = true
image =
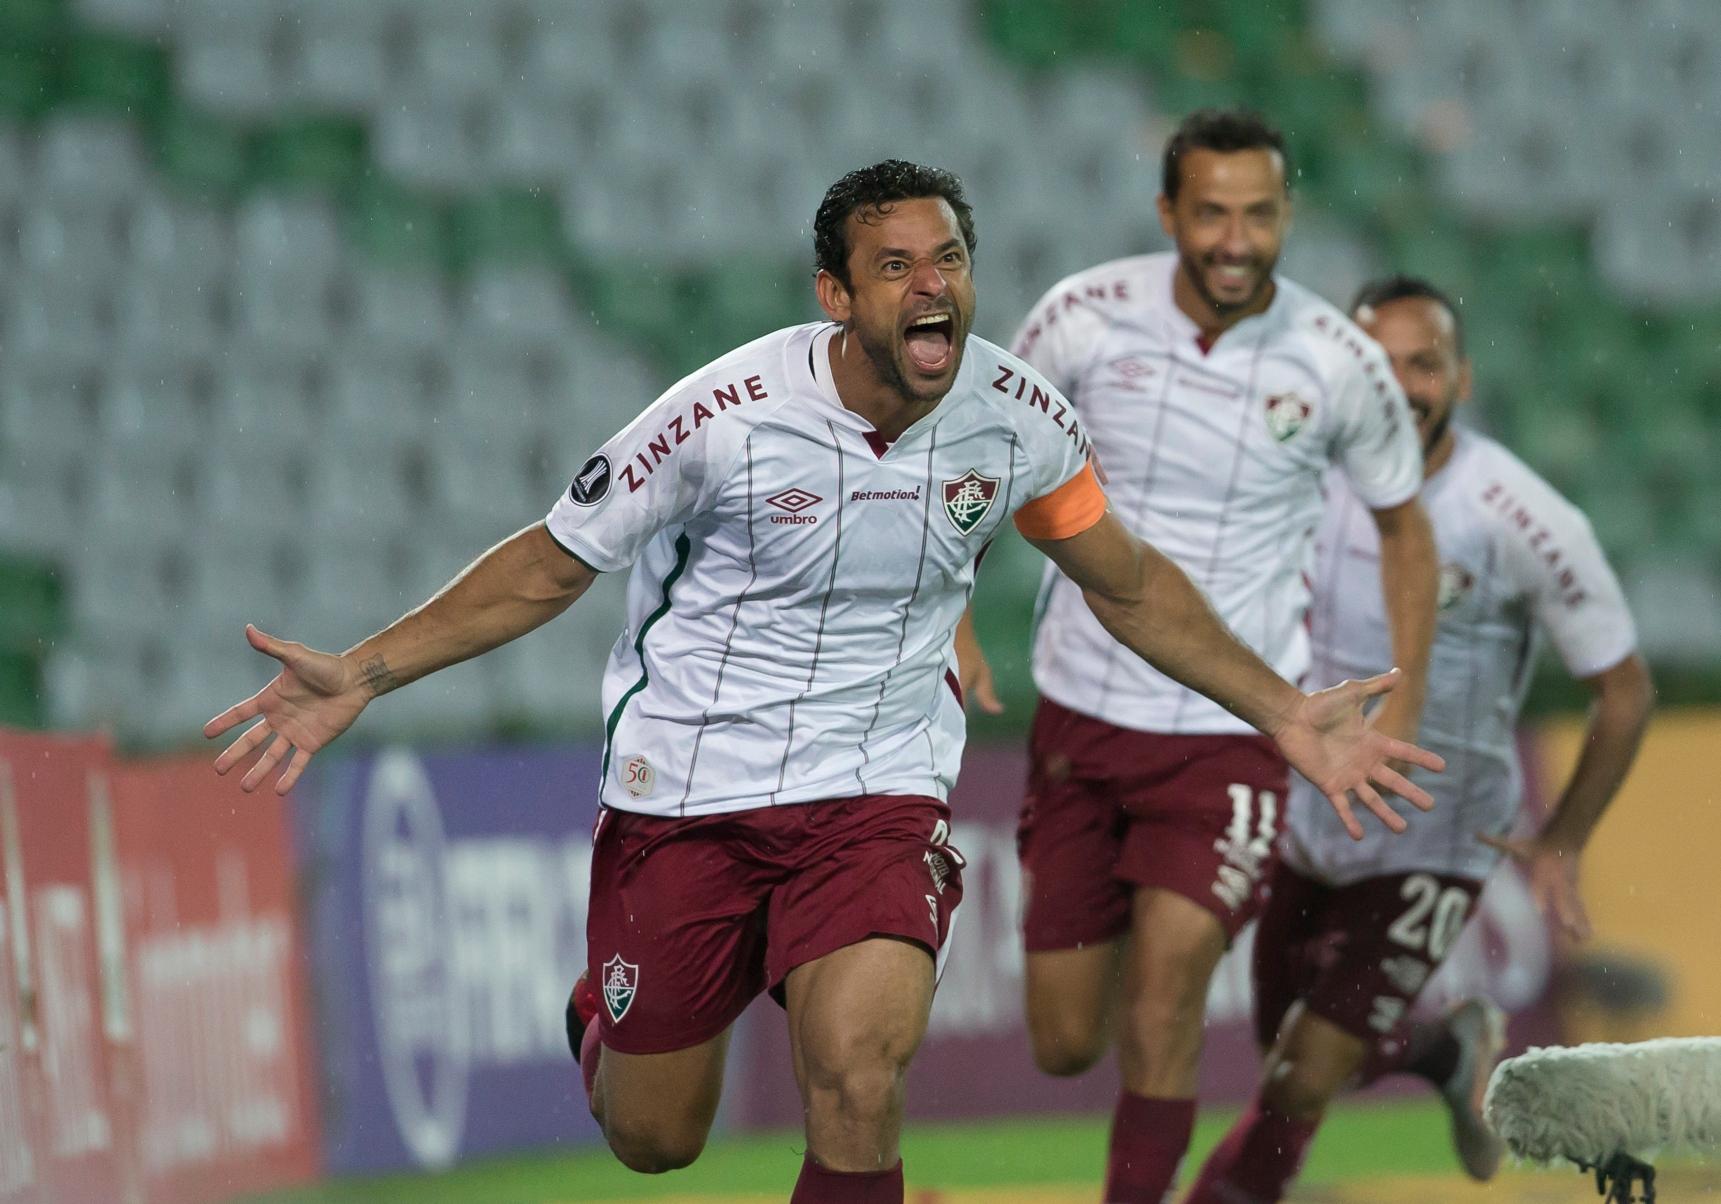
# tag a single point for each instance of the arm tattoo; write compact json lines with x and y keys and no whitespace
{"x":379,"y":678}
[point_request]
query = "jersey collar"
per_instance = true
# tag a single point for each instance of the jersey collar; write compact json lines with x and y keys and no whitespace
{"x":814,"y":369}
{"x":1186,"y":334}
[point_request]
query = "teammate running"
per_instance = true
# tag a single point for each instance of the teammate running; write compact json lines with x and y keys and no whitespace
{"x":1217,"y":395}
{"x":1351,"y":931}
{"x":802,"y":517}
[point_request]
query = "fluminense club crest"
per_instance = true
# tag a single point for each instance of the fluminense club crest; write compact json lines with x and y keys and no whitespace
{"x":1286,"y":415}
{"x":621,"y":983}
{"x":968,"y":498}
{"x":1456,"y":582}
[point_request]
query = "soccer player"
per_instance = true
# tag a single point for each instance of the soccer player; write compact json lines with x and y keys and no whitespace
{"x":1352,"y":931}
{"x":783,"y":726}
{"x":1217,"y":395}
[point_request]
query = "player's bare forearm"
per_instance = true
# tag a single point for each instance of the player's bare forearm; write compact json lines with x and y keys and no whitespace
{"x":1151,"y":607}
{"x":1624,"y":698}
{"x":518,"y":585}
{"x":1410,"y":583}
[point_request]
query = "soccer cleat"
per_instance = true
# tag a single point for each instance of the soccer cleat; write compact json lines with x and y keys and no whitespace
{"x":1480,"y":1029}
{"x":582,"y":1010}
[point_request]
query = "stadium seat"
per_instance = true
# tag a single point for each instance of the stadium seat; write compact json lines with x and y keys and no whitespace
{"x":288,"y":235}
{"x":164,"y":311}
{"x":166,"y":235}
{"x":88,"y":157}
{"x":142,"y":17}
{"x":533,"y":138}
{"x":72,"y":239}
{"x":430,"y":140}
{"x":397,"y":307}
{"x":228,"y":74}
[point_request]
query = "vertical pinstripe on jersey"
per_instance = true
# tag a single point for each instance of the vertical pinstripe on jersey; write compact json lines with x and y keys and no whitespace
{"x":1460,"y":828}
{"x":1113,"y":648}
{"x":683,"y":546}
{"x":907,"y":607}
{"x":1237,"y":451}
{"x":824,"y":609}
{"x":728,"y":640}
{"x":938,"y":681}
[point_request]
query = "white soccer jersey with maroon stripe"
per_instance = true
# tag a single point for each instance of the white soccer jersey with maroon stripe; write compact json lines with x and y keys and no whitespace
{"x":792,"y":611}
{"x":1215,"y":457}
{"x":1514,"y":556}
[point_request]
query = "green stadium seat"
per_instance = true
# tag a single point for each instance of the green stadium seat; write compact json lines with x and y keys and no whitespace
{"x":512,"y":226}
{"x":314,"y":152}
{"x":202,"y":154}
{"x":116,"y":73}
{"x":397,"y":226}
{"x":32,"y":603}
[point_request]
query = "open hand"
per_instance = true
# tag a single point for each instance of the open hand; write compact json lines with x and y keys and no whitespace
{"x":314,"y":698}
{"x":1553,"y":874}
{"x":973,"y":673}
{"x":1330,"y":741}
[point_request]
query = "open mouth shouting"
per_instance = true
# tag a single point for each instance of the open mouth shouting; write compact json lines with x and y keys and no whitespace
{"x":930,"y":340}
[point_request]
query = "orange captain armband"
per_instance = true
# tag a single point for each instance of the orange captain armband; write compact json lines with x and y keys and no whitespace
{"x":1068,"y":510}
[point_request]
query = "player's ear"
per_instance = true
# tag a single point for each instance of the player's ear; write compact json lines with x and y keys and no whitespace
{"x":1166,"y":223}
{"x":834,"y":297}
{"x":1464,"y":379}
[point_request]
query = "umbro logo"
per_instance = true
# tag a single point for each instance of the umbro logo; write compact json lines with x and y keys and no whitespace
{"x":794,"y":501}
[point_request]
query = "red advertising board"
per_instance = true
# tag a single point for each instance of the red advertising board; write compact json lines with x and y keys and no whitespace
{"x":59,"y":1130}
{"x":214,"y":1015}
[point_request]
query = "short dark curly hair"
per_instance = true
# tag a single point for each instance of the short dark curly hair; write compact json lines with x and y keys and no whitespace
{"x":876,"y":188}
{"x":1402,"y":287}
{"x":1222,"y":130}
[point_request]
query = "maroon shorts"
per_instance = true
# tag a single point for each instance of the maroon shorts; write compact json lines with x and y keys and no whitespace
{"x":1109,"y":810}
{"x":1356,"y":955}
{"x":690,"y":919}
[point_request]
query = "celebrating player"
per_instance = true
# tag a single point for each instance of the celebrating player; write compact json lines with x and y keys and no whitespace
{"x":1351,"y":931}
{"x":783,"y":726}
{"x":1216,"y":395}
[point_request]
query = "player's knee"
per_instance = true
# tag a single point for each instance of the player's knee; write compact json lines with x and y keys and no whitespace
{"x":653,"y":1149}
{"x":1301,"y":1088}
{"x":1065,"y":1045}
{"x":1171,"y":1015}
{"x":861,"y":1082}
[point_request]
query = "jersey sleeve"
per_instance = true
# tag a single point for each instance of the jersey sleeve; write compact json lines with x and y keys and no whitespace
{"x":1058,"y":336}
{"x":657,"y":472}
{"x":1067,"y":510}
{"x":1062,"y":495}
{"x":1376,"y":443}
{"x":1573,"y":593}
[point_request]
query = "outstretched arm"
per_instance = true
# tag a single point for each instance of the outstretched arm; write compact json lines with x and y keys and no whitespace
{"x":1410,"y":583}
{"x":1624,"y":697}
{"x":521,"y":583}
{"x":1151,"y":607}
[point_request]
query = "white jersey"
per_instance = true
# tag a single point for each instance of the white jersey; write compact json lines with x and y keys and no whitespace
{"x":1514,"y":557}
{"x":791,"y":615}
{"x":1214,"y":455}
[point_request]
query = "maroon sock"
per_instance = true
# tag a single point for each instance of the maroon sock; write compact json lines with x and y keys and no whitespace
{"x":1257,"y":1161}
{"x":590,"y":1050}
{"x":820,"y":1186}
{"x":1148,"y":1139}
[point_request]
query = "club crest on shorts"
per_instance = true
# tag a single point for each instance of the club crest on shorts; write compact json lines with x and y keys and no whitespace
{"x":1286,"y":415}
{"x":968,"y":498}
{"x":637,"y":776}
{"x":621,"y":984}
